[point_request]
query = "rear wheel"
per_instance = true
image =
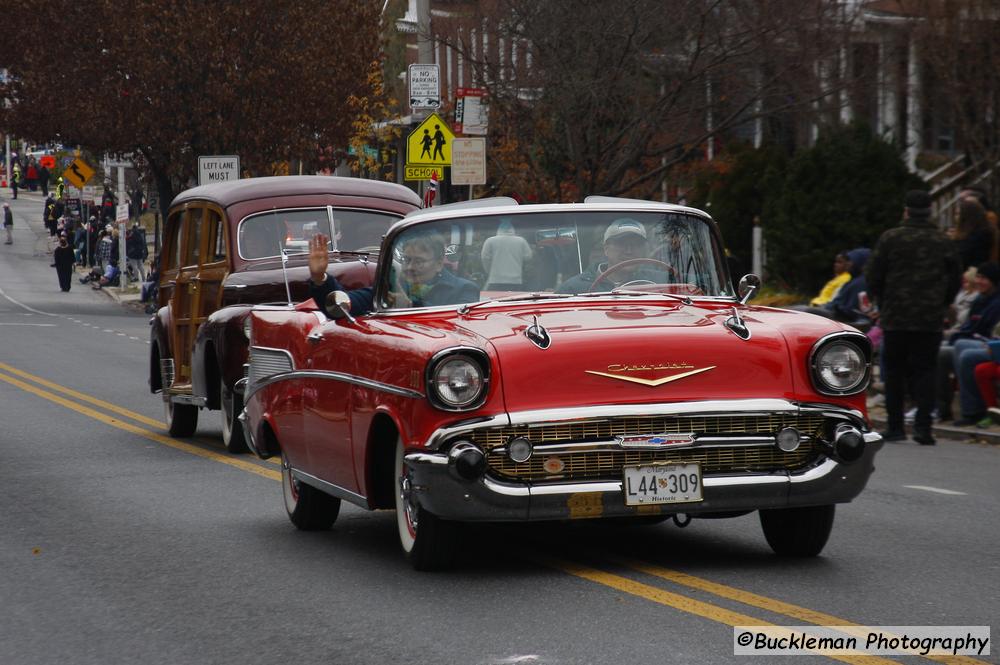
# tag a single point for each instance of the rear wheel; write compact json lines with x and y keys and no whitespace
{"x":182,"y":419}
{"x":798,"y":532}
{"x":427,"y":540}
{"x":308,"y":508}
{"x":232,"y":430}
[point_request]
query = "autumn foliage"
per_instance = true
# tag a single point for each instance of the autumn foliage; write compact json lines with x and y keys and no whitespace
{"x":169,"y":80}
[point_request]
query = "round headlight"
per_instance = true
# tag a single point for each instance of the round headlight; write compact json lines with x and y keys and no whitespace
{"x":457,"y":381}
{"x":840,"y":367}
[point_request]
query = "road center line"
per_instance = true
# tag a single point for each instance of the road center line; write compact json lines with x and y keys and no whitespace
{"x":936,"y":490}
{"x":114,"y":408}
{"x":40,"y":325}
{"x":146,"y":434}
{"x":689,"y":605}
{"x":761,"y":602}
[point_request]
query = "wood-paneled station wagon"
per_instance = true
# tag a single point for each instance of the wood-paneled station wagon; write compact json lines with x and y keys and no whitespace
{"x":222,"y":253}
{"x":555,"y":362}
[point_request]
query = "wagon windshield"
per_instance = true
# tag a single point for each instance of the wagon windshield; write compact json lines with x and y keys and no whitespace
{"x":266,"y":235}
{"x":466,"y":260}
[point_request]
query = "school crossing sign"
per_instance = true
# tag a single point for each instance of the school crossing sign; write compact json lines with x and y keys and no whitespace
{"x":430,"y":144}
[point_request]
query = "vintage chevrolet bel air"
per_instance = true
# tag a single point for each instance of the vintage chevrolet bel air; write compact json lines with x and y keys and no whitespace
{"x":222,"y":251}
{"x":557,"y":362}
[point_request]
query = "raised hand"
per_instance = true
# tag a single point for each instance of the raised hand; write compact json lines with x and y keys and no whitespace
{"x":318,"y":258}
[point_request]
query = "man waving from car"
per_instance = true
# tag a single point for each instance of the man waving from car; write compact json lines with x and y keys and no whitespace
{"x":323,"y":286}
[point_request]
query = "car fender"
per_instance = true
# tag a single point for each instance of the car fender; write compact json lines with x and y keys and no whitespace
{"x":220,"y":350}
{"x":159,"y":339}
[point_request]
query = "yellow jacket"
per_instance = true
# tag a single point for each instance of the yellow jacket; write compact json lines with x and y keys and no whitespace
{"x":830,"y":289}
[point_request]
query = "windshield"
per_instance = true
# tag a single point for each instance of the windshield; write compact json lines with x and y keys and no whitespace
{"x":453,"y":262}
{"x":265,"y":235}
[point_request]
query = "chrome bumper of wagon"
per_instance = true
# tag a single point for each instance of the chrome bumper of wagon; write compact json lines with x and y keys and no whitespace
{"x":444,"y":493}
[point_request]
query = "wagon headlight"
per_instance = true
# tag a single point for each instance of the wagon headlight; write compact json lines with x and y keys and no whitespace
{"x":246,"y":327}
{"x":457,"y":381}
{"x":840,"y":365}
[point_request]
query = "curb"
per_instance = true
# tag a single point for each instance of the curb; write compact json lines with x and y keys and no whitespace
{"x":950,"y":432}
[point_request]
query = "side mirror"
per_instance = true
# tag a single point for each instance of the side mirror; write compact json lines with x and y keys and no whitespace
{"x":749,"y":286}
{"x":338,"y":306}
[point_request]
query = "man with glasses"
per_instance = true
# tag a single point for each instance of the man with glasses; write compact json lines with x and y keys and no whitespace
{"x":423,"y":280}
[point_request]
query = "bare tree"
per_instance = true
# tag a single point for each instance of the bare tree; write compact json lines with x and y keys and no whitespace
{"x":168,"y":81}
{"x":592,"y":97}
{"x":958,"y":42}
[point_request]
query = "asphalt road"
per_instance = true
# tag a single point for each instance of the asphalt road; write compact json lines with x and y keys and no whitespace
{"x":121,"y":545}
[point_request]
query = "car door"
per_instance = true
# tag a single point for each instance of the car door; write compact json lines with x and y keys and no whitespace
{"x":326,"y":408}
{"x":212,"y":266}
{"x":185,"y":301}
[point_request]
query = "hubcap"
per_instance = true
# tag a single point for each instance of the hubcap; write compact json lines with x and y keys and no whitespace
{"x":406,"y":494}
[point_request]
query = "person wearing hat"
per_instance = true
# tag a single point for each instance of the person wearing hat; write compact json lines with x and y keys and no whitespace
{"x":8,"y":223}
{"x":912,"y":276}
{"x":60,"y":188}
{"x":624,"y":240}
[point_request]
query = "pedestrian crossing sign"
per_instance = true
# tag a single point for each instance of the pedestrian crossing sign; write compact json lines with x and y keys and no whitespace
{"x":430,"y":143}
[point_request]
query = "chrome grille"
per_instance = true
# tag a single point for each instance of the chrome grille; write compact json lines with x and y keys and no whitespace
{"x":607,"y":463}
{"x":265,"y":362}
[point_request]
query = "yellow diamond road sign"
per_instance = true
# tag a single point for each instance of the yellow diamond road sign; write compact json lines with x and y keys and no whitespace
{"x":78,"y":173}
{"x":430,"y":143}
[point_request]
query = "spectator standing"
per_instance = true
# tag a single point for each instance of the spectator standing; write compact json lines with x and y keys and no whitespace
{"x":913,"y":276}
{"x":64,"y":263}
{"x":974,"y":236}
{"x":503,"y":257}
{"x":8,"y":223}
{"x":43,"y":179}
{"x":136,"y":251}
{"x":32,"y":175}
{"x":15,"y":181}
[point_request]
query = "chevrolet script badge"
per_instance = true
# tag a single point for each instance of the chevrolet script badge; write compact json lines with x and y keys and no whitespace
{"x":652,"y":382}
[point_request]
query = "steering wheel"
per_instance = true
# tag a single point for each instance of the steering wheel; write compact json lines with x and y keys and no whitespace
{"x":634,"y":262}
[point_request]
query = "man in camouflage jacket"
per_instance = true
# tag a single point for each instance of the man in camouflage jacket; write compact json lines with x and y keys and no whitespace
{"x":913,"y":275}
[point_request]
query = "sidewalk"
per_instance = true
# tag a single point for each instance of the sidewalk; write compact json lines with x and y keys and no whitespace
{"x":941,"y":429}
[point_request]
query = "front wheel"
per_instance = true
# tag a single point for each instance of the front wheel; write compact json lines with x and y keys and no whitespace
{"x":798,"y":532}
{"x":308,"y":508}
{"x":232,"y":430}
{"x":182,"y":419}
{"x":427,"y":540}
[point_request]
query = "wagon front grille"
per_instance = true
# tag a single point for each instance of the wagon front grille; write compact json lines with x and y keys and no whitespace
{"x":607,"y":462}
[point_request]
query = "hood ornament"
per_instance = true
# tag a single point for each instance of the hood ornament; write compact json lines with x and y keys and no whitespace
{"x":538,"y":335}
{"x":653,"y":383}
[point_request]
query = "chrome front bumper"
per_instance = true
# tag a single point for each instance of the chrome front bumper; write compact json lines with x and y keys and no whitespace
{"x":440,"y":490}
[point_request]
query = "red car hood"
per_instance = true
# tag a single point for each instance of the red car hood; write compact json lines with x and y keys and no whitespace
{"x":633,"y":353}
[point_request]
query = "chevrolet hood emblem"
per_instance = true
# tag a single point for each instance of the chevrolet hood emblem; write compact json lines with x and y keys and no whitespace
{"x":653,"y":382}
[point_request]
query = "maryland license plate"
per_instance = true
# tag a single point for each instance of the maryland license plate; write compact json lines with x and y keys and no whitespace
{"x":661,"y":483}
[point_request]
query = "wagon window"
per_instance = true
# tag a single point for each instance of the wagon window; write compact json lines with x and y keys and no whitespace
{"x":172,"y":243}
{"x":192,"y":234}
{"x":266,"y":235}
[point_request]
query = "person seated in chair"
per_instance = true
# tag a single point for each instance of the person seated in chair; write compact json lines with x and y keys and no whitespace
{"x":111,"y":276}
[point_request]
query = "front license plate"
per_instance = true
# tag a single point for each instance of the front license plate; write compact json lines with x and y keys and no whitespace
{"x":662,"y":483}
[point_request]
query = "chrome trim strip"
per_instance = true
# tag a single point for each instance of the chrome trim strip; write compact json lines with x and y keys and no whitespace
{"x":332,"y":376}
{"x":544,"y":417}
{"x":826,"y":467}
{"x":612,"y":445}
{"x":188,"y":399}
{"x":330,"y":488}
{"x":709,"y":407}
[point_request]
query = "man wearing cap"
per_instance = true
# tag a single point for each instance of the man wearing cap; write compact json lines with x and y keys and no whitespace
{"x":913,"y":275}
{"x":624,"y":240}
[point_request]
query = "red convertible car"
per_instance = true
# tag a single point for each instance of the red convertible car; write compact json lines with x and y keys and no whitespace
{"x":555,"y":362}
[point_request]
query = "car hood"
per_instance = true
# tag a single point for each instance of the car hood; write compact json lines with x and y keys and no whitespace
{"x":633,"y":353}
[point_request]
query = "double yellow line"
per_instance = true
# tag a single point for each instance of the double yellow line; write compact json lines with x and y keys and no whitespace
{"x":107,"y":414}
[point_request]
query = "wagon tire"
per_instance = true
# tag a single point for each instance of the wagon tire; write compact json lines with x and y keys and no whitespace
{"x":182,"y":419}
{"x":797,"y":532}
{"x":428,"y":541}
{"x":308,"y":508}
{"x":232,"y":430}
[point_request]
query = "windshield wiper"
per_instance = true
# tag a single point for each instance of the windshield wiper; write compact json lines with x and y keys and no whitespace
{"x":468,"y":307}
